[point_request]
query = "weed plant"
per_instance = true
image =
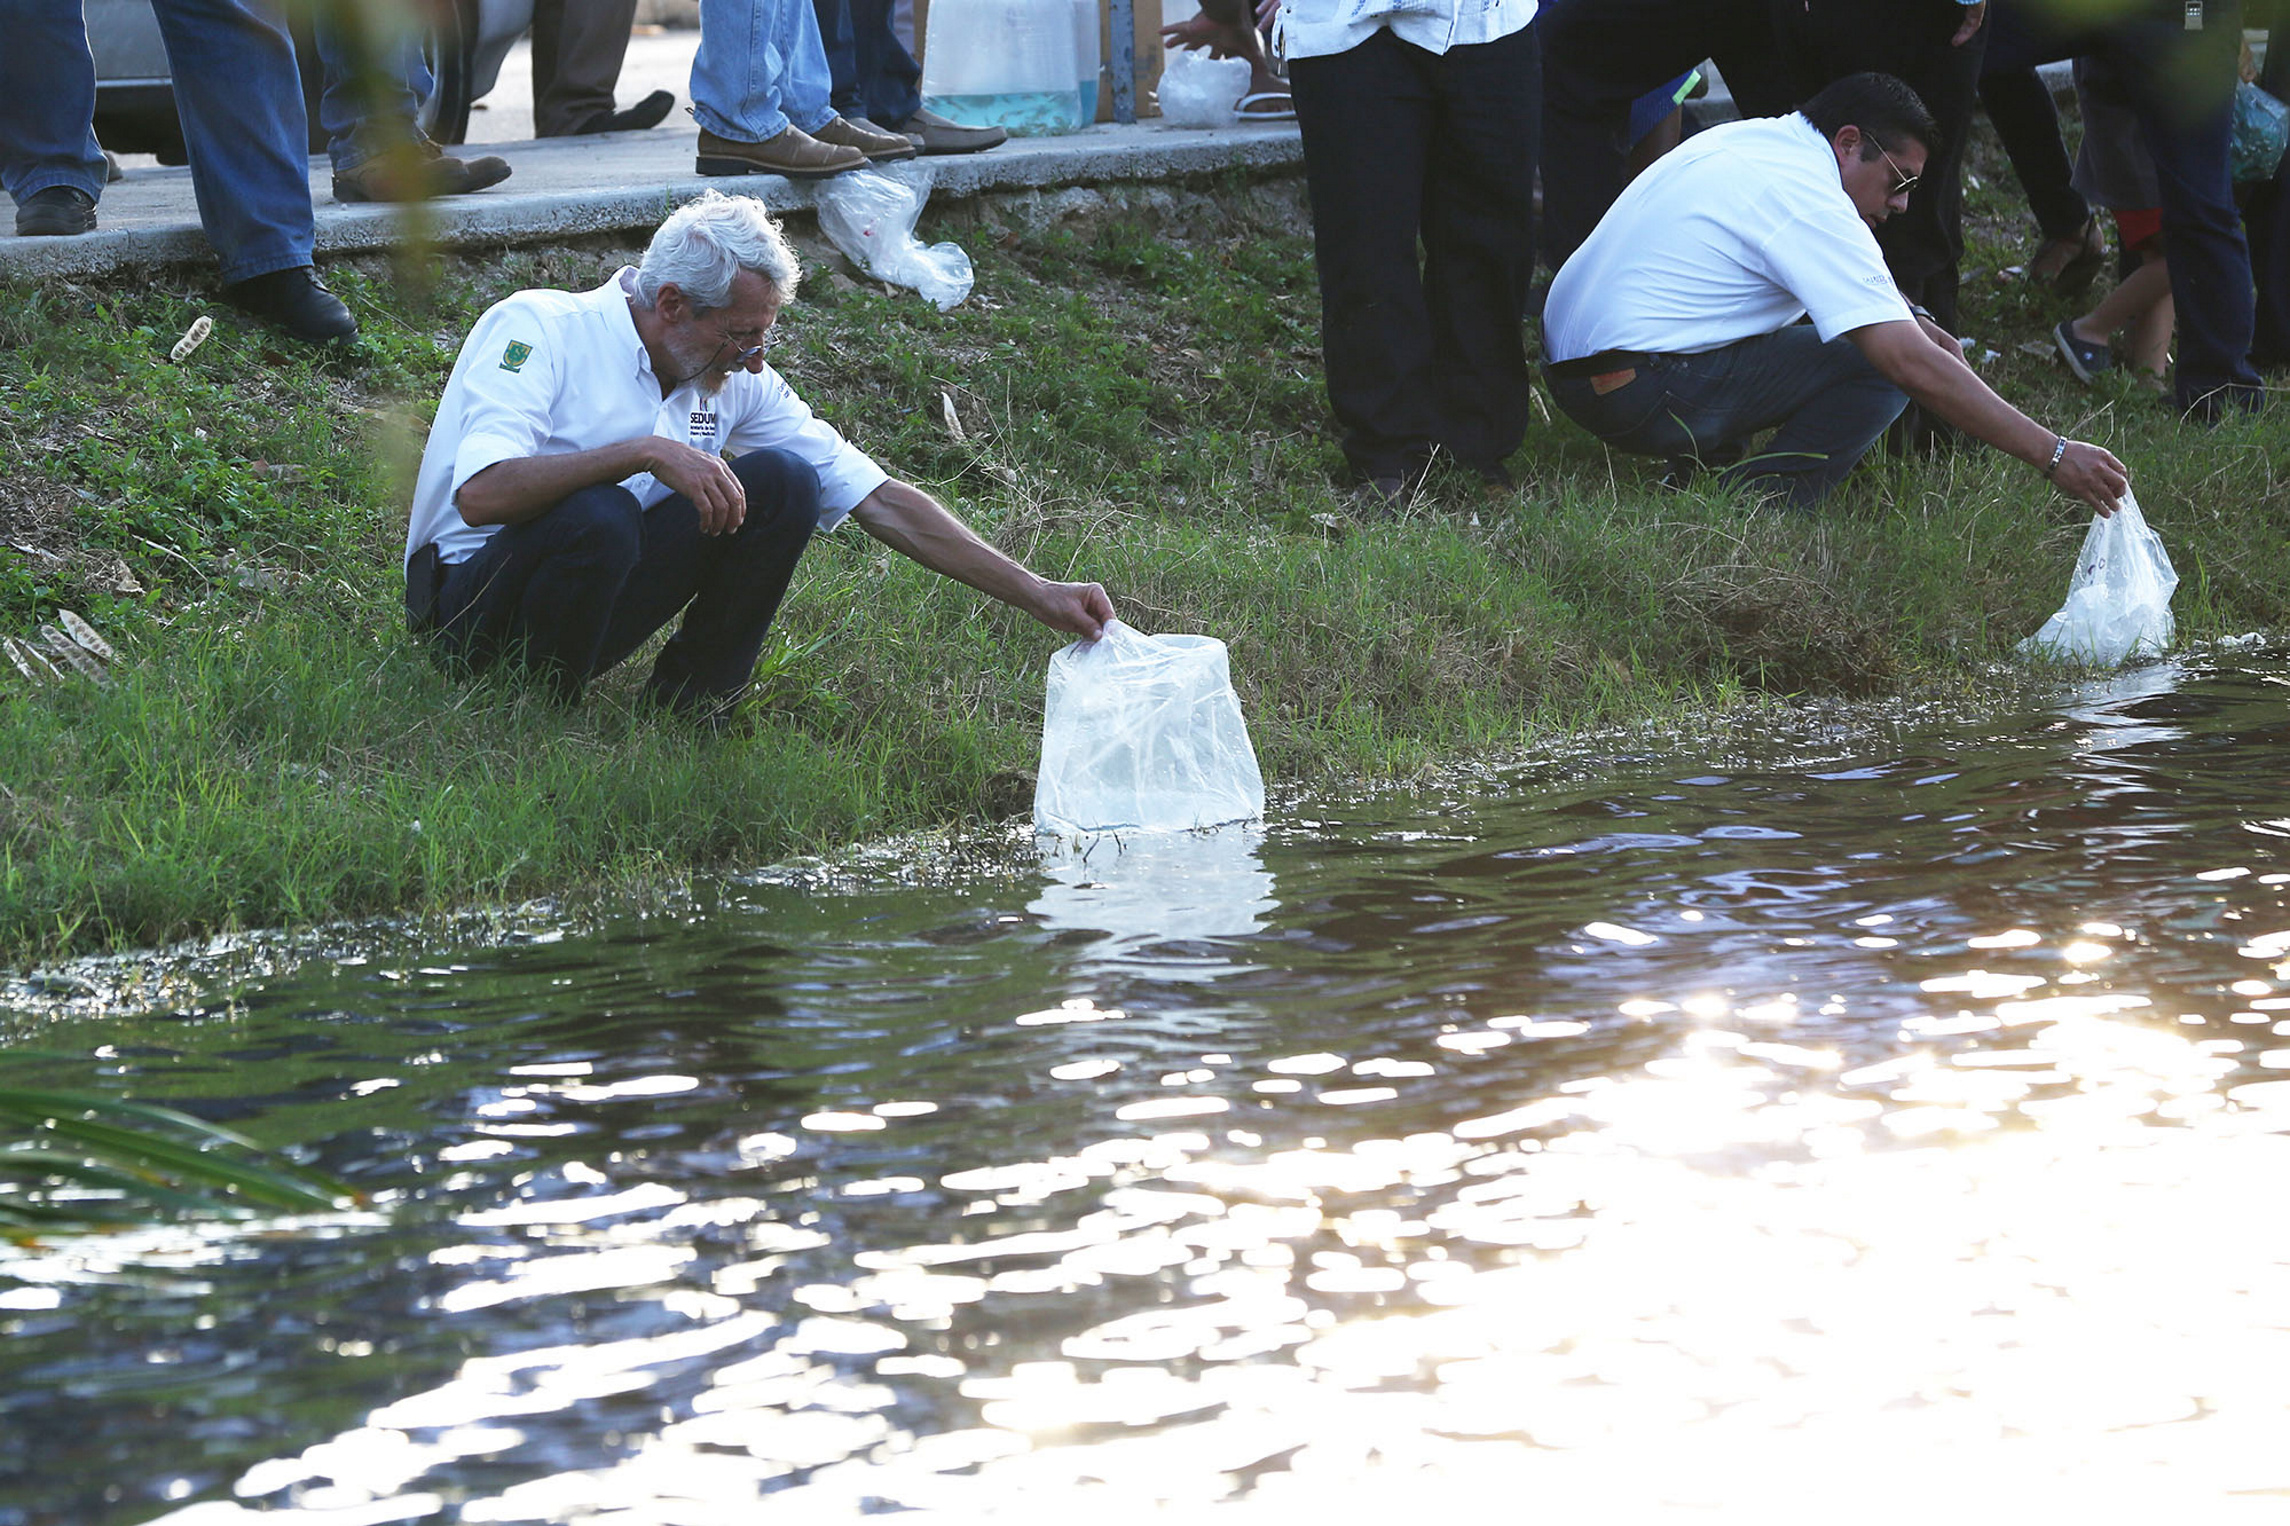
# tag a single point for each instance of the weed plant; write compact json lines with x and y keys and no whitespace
{"x":1135,"y":399}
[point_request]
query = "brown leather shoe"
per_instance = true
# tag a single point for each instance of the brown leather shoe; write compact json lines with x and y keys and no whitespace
{"x":939,"y":136}
{"x":867,"y":138}
{"x":417,"y":171}
{"x":793,"y":153}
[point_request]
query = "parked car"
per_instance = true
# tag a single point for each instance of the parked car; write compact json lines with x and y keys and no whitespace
{"x":464,"y":40}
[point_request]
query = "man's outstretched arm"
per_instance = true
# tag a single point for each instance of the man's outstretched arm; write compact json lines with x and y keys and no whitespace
{"x":1935,"y":375}
{"x":914,"y":524}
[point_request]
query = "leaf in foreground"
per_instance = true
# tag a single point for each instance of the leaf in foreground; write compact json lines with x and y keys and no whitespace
{"x":70,"y":1160}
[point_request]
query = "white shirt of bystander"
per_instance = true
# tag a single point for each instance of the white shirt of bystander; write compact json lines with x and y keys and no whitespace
{"x":551,"y":372}
{"x":1319,"y":28}
{"x":1739,"y":231}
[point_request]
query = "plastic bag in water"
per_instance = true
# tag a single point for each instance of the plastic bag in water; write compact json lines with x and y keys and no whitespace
{"x":1200,"y":91}
{"x":870,"y":216}
{"x":2119,"y":601}
{"x":1144,"y":734}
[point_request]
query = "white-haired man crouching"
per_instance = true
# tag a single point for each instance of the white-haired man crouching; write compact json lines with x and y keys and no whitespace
{"x":603,"y":459}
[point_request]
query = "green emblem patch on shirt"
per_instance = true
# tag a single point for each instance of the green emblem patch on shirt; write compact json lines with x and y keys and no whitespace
{"x":516,"y":355}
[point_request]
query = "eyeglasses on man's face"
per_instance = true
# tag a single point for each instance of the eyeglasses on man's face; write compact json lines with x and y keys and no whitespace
{"x":1902,"y":181}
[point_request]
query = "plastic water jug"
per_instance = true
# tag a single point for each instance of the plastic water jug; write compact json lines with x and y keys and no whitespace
{"x":1006,"y":63}
{"x":1085,"y":59}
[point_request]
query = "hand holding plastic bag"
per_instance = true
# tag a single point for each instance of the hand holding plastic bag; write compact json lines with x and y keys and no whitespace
{"x":2119,"y":601}
{"x":870,"y":216}
{"x":1144,"y":733}
{"x":1199,"y":91}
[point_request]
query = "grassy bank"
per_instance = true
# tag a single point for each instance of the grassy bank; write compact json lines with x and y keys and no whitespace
{"x":1138,"y":401}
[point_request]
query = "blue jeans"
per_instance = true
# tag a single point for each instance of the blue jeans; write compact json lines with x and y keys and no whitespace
{"x":236,"y":91}
{"x":1825,"y":404}
{"x":361,"y":116}
{"x":761,"y":68}
{"x":875,"y":76}
{"x":573,"y":592}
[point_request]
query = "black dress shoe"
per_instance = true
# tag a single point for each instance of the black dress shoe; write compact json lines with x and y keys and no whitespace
{"x":295,"y":301}
{"x":649,"y":112}
{"x":58,"y":211}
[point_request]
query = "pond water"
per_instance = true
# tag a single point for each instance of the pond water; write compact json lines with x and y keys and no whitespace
{"x":1893,"y":1121}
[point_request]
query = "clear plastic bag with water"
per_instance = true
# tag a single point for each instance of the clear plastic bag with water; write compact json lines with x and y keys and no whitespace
{"x":1144,"y":734}
{"x":2119,"y":601}
{"x":1200,"y":91}
{"x":870,"y":215}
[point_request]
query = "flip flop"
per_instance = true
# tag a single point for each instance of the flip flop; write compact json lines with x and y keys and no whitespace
{"x":1284,"y":107}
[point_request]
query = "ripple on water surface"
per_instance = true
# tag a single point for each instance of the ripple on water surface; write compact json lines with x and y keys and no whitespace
{"x":1894,"y":1130}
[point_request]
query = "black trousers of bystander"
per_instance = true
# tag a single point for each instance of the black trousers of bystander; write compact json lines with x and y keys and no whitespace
{"x":574,"y":591}
{"x":1604,"y":54}
{"x":2180,"y":81}
{"x":1399,"y":144}
{"x":1913,"y":40}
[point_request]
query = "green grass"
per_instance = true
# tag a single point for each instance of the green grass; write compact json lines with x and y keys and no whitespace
{"x":1137,"y":407}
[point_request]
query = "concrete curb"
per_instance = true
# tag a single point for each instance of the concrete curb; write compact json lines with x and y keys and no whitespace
{"x":571,"y":187}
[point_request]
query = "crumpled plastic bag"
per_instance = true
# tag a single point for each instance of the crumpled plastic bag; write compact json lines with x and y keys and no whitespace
{"x":2261,"y":133}
{"x":1200,"y":91}
{"x":870,"y":215}
{"x":2119,"y":601}
{"x":1144,"y":734}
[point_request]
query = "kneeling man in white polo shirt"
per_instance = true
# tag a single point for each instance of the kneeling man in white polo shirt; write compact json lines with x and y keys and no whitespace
{"x":1673,"y":330}
{"x":576,"y":492}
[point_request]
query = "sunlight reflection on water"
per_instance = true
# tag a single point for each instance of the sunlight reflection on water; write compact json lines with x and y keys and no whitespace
{"x":1699,"y":1142}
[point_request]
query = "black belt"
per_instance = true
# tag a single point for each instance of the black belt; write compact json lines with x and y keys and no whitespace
{"x":1601,"y":364}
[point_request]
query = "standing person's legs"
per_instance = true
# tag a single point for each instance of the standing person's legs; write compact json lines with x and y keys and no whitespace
{"x":760,"y":69}
{"x":1825,"y":403}
{"x":2020,"y":107}
{"x":240,"y":99}
{"x":374,"y":84}
{"x":571,"y":593}
{"x":2181,"y":84}
{"x":578,"y":48}
{"x":1367,"y":119}
{"x":2266,"y":218}
{"x":1479,"y":244}
{"x":47,"y":102}
{"x":889,"y":80}
{"x":1914,"y":41}
{"x":1601,"y":55}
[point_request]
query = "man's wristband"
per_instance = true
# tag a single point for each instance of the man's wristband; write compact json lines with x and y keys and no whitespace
{"x":1917,"y":309}
{"x":2058,"y":454}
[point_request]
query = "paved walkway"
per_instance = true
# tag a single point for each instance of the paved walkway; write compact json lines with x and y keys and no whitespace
{"x":566,"y":187}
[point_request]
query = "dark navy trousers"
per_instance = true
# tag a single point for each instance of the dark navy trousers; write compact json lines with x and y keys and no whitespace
{"x":573,"y":592}
{"x":2181,"y":85}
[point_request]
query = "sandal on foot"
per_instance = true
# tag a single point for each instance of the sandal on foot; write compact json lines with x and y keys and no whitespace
{"x":1265,"y":106}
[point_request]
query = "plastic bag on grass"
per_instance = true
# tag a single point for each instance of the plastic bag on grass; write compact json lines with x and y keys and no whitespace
{"x":1144,"y":734}
{"x":1200,"y":91}
{"x":2119,"y":601}
{"x":870,"y":216}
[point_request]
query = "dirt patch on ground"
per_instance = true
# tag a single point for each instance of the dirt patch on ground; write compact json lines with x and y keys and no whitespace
{"x":39,"y":524}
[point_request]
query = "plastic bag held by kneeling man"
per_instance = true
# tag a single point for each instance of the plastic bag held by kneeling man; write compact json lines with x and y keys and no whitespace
{"x":2119,"y":601}
{"x":1144,"y":734}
